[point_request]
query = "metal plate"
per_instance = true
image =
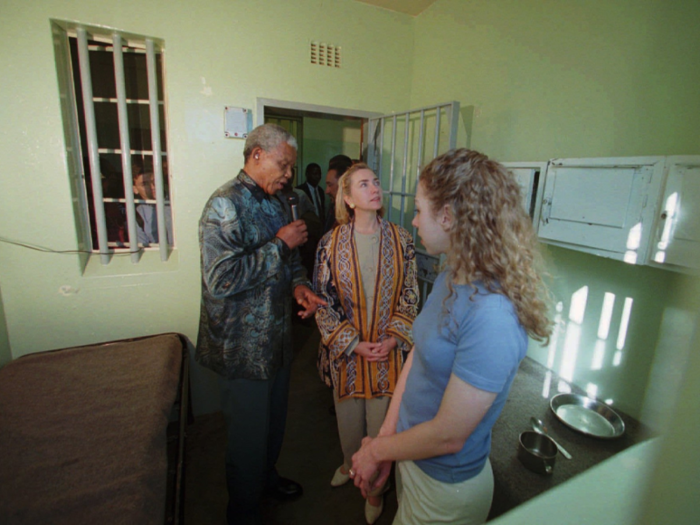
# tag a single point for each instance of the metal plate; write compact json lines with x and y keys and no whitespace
{"x":587,"y":416}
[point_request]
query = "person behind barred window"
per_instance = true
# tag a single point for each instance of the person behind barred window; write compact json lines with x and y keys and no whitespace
{"x":146,"y":213}
{"x":366,"y":272}
{"x":470,"y":337}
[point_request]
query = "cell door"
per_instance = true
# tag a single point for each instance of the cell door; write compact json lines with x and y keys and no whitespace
{"x":399,"y":145}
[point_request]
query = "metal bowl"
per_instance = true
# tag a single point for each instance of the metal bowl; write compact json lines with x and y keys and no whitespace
{"x":588,"y":416}
{"x":537,"y":452}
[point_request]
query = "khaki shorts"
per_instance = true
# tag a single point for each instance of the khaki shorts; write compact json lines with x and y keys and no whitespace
{"x":424,"y":500}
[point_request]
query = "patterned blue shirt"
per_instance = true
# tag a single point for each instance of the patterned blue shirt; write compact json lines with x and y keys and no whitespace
{"x":248,"y":275}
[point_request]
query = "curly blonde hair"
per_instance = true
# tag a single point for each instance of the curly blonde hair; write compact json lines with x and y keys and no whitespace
{"x":492,"y":238}
{"x":343,"y":212}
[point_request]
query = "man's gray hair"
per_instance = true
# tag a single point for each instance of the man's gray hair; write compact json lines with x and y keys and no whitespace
{"x":268,"y":137}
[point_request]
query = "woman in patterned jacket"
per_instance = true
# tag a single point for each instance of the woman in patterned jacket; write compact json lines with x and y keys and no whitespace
{"x":366,"y":272}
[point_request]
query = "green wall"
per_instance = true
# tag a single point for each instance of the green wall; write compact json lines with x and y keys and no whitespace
{"x":5,"y":352}
{"x":217,"y":53}
{"x":546,"y":79}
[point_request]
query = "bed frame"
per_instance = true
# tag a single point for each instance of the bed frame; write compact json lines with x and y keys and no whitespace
{"x":95,"y":434}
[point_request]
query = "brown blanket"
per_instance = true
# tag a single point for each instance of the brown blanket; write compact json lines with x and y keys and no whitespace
{"x":83,"y":433}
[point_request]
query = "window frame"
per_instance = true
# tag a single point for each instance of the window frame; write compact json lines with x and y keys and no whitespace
{"x":84,"y":190}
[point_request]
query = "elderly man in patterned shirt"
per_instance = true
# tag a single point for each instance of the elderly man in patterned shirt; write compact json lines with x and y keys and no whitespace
{"x":250,"y":271}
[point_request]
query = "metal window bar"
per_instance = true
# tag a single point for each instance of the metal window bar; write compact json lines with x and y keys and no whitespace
{"x":404,"y":168}
{"x":436,"y":145}
{"x":377,"y":127}
{"x":381,"y":141}
{"x":419,"y":162}
{"x":436,"y":149}
{"x":125,"y":149}
{"x":104,"y":246}
{"x":376,"y":160}
{"x":91,"y":136}
{"x":391,"y":166}
{"x":421,"y":138}
{"x":73,"y":148}
{"x":155,"y":141}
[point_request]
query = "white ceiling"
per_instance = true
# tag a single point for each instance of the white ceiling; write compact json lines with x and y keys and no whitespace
{"x":409,"y":7}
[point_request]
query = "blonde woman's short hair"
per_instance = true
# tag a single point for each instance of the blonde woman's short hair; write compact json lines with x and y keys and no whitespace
{"x":343,"y":213}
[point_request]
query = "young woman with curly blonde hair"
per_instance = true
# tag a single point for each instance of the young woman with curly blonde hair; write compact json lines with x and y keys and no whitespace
{"x":469,"y":340}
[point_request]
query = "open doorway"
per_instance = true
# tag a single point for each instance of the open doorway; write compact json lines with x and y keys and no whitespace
{"x":320,"y":136}
{"x":321,"y":131}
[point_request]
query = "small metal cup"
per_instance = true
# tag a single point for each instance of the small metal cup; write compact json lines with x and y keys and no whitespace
{"x":537,"y":452}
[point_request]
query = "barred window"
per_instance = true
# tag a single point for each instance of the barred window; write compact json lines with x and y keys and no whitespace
{"x":115,"y":125}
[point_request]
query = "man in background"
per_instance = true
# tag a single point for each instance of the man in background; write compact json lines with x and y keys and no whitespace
{"x":313,"y":191}
{"x":250,"y":271}
{"x":307,"y":213}
{"x":336,"y":167}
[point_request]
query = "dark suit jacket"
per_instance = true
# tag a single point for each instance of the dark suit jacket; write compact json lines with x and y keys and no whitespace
{"x":320,"y":195}
{"x":329,"y":223}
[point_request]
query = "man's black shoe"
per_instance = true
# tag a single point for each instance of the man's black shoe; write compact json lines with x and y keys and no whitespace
{"x":286,"y":489}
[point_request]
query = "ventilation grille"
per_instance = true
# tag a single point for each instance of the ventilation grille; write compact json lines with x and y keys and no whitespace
{"x":323,"y":54}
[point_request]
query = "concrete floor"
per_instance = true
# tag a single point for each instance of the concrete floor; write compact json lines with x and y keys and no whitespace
{"x":310,"y":455}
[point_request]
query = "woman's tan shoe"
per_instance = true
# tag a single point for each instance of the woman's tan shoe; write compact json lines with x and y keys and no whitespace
{"x":372,"y":513}
{"x":340,"y":477}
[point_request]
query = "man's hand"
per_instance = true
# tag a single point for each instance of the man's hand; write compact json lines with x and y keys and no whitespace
{"x":307,"y":299}
{"x":293,"y":234}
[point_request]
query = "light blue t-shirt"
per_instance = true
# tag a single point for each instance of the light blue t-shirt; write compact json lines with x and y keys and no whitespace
{"x":482,"y":342}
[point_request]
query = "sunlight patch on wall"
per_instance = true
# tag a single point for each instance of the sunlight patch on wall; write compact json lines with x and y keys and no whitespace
{"x":668,"y":215}
{"x":622,"y":334}
{"x":606,"y":315}
{"x":603,"y":331}
{"x":578,"y":305}
{"x":634,"y":239}
{"x":546,"y":388}
{"x":571,"y":346}
{"x":572,"y":338}
{"x":617,"y":358}
{"x":624,"y":323}
{"x":598,"y":355}
{"x":552,"y":349}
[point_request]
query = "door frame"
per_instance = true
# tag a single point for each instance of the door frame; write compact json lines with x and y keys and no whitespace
{"x":262,"y":103}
